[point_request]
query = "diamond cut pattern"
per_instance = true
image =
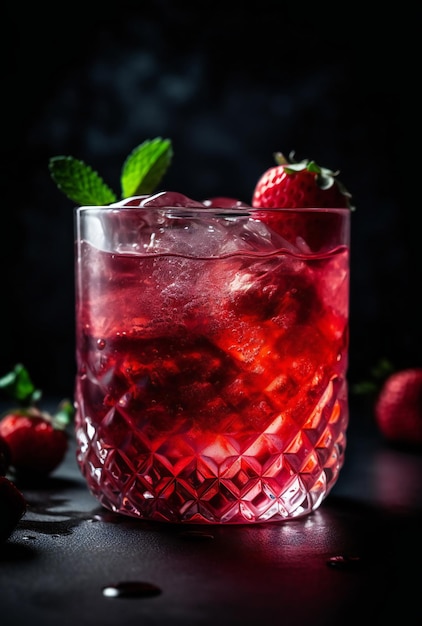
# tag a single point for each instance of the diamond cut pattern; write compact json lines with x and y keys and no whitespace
{"x":282,"y":473}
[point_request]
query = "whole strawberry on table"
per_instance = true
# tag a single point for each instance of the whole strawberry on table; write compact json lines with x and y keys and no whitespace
{"x":37,"y":439}
{"x":396,"y":401}
{"x":32,"y":443}
{"x":398,"y":407}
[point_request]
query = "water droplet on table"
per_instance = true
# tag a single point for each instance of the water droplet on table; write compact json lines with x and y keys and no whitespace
{"x":196,"y":534}
{"x":131,"y":589}
{"x":344,"y":562}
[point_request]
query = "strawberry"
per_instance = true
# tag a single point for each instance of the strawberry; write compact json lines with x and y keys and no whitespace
{"x":300,"y":185}
{"x":36,"y":440}
{"x":37,"y":445}
{"x":398,"y":407}
{"x":12,"y":507}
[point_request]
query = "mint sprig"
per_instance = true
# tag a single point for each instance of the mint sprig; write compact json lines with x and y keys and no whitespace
{"x":141,"y":173}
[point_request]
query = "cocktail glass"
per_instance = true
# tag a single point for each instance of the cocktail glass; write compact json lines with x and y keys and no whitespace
{"x":212,"y":351}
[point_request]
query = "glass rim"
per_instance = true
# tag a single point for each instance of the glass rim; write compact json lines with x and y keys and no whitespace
{"x":206,"y":210}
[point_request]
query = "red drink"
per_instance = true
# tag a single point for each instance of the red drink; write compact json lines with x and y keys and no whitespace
{"x":212,"y":358}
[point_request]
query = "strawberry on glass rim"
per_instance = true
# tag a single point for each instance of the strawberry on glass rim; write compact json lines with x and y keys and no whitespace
{"x":303,"y":185}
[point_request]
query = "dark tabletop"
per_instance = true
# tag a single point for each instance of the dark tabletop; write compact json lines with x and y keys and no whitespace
{"x":357,"y":560}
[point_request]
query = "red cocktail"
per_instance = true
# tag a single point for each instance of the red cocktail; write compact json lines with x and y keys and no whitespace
{"x":211,"y":359}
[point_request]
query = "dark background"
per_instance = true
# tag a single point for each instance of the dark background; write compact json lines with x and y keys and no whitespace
{"x":230,"y":84}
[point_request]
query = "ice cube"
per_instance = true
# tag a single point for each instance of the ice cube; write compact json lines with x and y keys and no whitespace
{"x":222,"y":202}
{"x":170,"y":199}
{"x":200,"y":231}
{"x":134,"y":201}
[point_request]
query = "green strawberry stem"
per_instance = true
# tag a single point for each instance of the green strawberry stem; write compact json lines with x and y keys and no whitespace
{"x":63,"y":415}
{"x":325,"y":177}
{"x":378,"y":375}
{"x":18,"y":385}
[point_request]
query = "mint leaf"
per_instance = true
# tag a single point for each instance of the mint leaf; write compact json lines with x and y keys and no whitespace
{"x":145,"y":166}
{"x":79,"y":182}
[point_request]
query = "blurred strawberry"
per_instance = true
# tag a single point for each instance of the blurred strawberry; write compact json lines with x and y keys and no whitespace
{"x":37,"y":443}
{"x":37,"y":440}
{"x":398,"y":407}
{"x":12,"y":507}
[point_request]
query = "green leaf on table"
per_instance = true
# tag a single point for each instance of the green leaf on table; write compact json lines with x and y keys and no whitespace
{"x":145,"y":166}
{"x":79,"y":182}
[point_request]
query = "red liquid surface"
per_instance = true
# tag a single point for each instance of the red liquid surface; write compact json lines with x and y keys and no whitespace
{"x":212,"y":390}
